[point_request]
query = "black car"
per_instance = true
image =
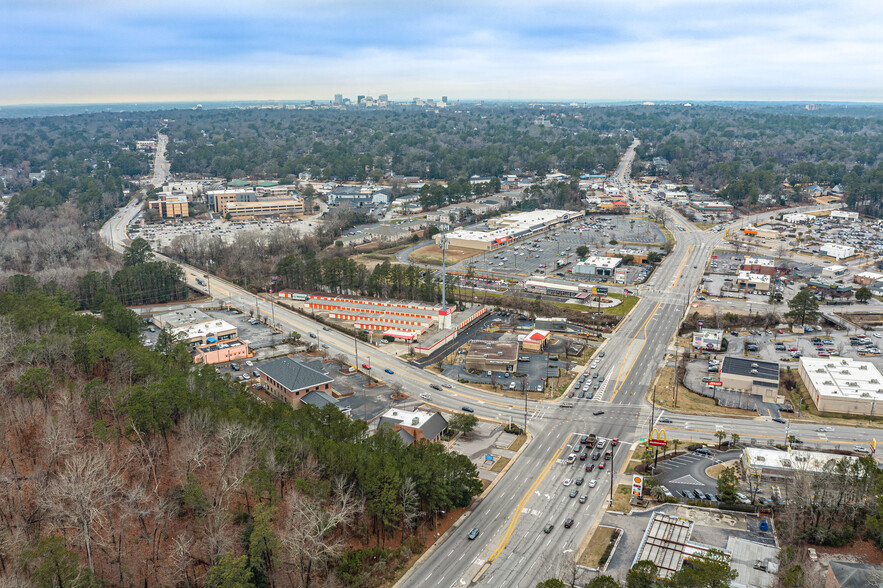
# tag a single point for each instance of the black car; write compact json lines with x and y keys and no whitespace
{"x":473,"y":534}
{"x":467,"y":409}
{"x":684,"y":493}
{"x":583,"y":456}
{"x":596,"y":456}
{"x":590,"y":467}
{"x":568,"y":523}
{"x":598,"y":412}
{"x":665,"y":420}
{"x":780,"y":420}
{"x":435,"y":386}
{"x":584,"y":439}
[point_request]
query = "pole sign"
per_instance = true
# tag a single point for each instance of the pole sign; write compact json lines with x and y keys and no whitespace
{"x":637,"y":485}
{"x":715,"y":384}
{"x":658,"y":438}
{"x":599,"y":291}
{"x":700,"y":323}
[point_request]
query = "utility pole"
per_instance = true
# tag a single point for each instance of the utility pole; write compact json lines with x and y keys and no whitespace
{"x":611,"y":481}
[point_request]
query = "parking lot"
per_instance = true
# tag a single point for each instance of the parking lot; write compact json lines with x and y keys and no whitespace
{"x":685,"y":476}
{"x":539,"y":255}
{"x":161,"y":235}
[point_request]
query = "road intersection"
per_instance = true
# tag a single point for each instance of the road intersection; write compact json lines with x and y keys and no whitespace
{"x":512,"y":548}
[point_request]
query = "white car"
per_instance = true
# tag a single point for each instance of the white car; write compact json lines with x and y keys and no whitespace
{"x":249,"y":363}
{"x":568,"y":482}
{"x":593,"y":483}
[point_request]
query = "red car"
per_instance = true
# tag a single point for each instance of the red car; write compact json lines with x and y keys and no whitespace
{"x":614,"y":441}
{"x":792,"y":349}
{"x":366,"y":366}
{"x":601,"y":466}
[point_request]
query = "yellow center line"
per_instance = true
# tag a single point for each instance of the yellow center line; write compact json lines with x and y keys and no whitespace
{"x":682,"y":265}
{"x":643,"y":330}
{"x":524,"y":500}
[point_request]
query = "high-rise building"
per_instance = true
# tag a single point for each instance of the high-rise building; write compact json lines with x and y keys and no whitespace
{"x":383,"y":98}
{"x":338,"y":98}
{"x":445,"y":99}
{"x":359,"y":99}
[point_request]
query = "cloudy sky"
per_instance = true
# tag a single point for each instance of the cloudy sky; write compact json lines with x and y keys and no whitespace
{"x":66,"y":51}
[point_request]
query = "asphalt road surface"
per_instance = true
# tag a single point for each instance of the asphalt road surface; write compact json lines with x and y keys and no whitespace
{"x":512,"y":549}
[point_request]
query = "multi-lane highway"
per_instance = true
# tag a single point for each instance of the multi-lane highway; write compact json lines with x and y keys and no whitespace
{"x":512,"y":548}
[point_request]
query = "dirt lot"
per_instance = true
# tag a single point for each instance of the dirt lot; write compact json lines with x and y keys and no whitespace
{"x":432,"y":254}
{"x":689,"y":402}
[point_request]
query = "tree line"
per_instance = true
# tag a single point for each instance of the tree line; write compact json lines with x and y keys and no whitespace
{"x":128,"y":465}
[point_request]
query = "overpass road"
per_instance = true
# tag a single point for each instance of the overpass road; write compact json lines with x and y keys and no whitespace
{"x":512,"y":548}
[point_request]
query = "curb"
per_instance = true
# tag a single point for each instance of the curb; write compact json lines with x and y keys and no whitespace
{"x":458,"y":523}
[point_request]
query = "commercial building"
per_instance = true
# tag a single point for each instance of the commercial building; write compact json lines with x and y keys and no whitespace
{"x":273,"y":190}
{"x":837,"y":251}
{"x":221,"y":352}
{"x":751,"y":282}
{"x":170,"y":206}
{"x":842,"y":385}
{"x":358,"y":196}
{"x":536,"y":340}
{"x":509,"y":228}
{"x":834,"y":271}
{"x":773,"y":465}
{"x":218,"y":199}
{"x":264,"y":207}
{"x":758,"y":265}
{"x":602,"y":267}
{"x":867,"y":278}
{"x":638,"y":255}
{"x":756,"y":564}
{"x":550,"y":323}
{"x":179,"y":318}
{"x":708,"y":339}
{"x":547,"y":287}
{"x":797,"y":218}
{"x":211,"y":331}
{"x":414,"y":425}
{"x":844,"y":215}
{"x":290,"y":380}
{"x":751,"y":375}
{"x":709,"y":207}
{"x":829,"y":288}
{"x":492,"y":356}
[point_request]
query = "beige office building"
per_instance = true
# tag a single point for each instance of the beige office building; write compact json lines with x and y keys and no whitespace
{"x":264,"y":207}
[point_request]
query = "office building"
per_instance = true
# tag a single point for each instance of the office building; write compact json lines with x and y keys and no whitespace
{"x":492,"y":356}
{"x":288,"y":206}
{"x":414,"y":425}
{"x":218,"y":199}
{"x":170,"y":206}
{"x":751,"y":375}
{"x":291,"y":380}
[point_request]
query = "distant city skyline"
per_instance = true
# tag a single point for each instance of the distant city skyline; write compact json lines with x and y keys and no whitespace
{"x":125,"y":51}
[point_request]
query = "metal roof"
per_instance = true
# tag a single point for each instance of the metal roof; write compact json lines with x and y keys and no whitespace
{"x":292,"y":374}
{"x":740,"y":366}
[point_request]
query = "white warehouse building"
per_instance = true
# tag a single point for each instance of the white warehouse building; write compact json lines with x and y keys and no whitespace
{"x":837,"y":251}
{"x":842,"y":385}
{"x":598,"y":266}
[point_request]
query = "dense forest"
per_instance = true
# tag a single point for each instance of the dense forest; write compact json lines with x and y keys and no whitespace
{"x":123,"y":465}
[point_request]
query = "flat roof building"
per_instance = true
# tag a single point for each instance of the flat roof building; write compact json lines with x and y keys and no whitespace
{"x":211,"y":331}
{"x":797,"y":218}
{"x":867,"y":278}
{"x":492,"y":356}
{"x":180,"y":318}
{"x":597,"y":266}
{"x":508,"y":228}
{"x":708,"y":339}
{"x":217,"y":199}
{"x":751,"y":282}
{"x":221,"y":352}
{"x":758,"y":265}
{"x":776,"y":465}
{"x":834,"y":271}
{"x":290,"y":380}
{"x":751,"y":375}
{"x":842,"y":385}
{"x":171,"y":206}
{"x":666,"y":542}
{"x":264,"y":207}
{"x":837,"y":251}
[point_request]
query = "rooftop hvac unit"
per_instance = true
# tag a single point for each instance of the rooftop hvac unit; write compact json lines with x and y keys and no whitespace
{"x":414,"y":421}
{"x":866,"y":394}
{"x":827,"y":383}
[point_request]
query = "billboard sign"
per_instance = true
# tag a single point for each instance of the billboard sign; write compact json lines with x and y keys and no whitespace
{"x":715,"y":384}
{"x":637,"y":485}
